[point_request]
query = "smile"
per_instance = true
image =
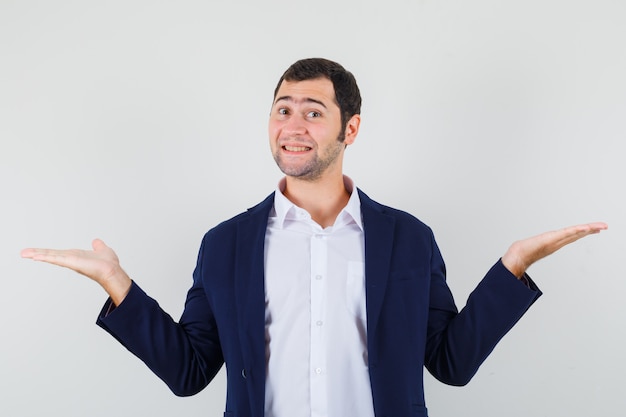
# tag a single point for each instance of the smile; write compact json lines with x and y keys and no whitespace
{"x":296,"y":148}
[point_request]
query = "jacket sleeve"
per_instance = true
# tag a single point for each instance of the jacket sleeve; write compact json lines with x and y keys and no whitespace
{"x":458,"y":342}
{"x":185,"y":355}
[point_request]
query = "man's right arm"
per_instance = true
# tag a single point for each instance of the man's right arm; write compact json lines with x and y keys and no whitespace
{"x":186,"y":356}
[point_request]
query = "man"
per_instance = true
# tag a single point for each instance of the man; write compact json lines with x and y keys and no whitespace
{"x":320,"y":301}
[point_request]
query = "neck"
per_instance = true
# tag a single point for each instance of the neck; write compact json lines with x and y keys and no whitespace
{"x":323,"y":199}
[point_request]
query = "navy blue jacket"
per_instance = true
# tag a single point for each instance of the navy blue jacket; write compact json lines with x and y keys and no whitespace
{"x":412,"y":320}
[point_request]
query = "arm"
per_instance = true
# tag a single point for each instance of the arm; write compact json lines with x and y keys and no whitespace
{"x":458,"y":343}
{"x":185,"y":355}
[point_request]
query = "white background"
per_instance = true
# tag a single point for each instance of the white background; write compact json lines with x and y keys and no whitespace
{"x":144,"y":123}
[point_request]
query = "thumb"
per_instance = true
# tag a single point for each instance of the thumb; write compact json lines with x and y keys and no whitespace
{"x":98,"y":244}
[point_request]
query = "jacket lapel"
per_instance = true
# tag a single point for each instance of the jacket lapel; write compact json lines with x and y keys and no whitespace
{"x":250,"y":298}
{"x":379,"y":235}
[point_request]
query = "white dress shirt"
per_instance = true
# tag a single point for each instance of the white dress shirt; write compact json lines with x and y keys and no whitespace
{"x":315,"y":319}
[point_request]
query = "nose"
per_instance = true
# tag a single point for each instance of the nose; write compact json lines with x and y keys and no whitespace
{"x":295,"y":125}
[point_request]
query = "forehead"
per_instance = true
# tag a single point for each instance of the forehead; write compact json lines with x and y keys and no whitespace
{"x":319,"y":89}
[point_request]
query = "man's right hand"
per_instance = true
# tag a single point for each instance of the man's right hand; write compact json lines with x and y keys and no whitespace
{"x":100,"y":264}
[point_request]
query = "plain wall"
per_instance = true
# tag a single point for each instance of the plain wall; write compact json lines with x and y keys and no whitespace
{"x":144,"y":123}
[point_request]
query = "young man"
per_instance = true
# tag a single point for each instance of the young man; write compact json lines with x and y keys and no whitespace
{"x":320,"y":301}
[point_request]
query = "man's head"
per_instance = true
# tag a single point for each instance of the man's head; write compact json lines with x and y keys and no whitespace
{"x":347,"y":94}
{"x":314,"y":117}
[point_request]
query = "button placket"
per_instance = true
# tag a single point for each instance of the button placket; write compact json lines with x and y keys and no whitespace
{"x":319,"y":266}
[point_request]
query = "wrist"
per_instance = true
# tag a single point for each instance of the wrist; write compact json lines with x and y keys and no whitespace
{"x":514,"y":265}
{"x":117,"y":285}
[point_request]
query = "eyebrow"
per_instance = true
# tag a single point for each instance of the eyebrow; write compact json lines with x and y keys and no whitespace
{"x":306,"y":100}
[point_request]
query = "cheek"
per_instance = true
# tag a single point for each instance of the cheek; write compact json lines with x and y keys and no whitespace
{"x":273,"y":129}
{"x":272,"y":134}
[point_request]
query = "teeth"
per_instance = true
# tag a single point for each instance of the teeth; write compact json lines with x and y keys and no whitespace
{"x":297,"y":148}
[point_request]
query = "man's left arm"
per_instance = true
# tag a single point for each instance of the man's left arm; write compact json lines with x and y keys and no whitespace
{"x":458,"y":343}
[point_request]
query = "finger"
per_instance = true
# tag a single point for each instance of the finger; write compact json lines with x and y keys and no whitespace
{"x":33,"y":253}
{"x":58,"y":257}
{"x":27,"y":253}
{"x":98,"y":244}
{"x":573,"y":233}
{"x":599,"y":226}
{"x":588,"y":228}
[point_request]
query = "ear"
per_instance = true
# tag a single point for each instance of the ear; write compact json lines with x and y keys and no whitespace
{"x":352,"y":129}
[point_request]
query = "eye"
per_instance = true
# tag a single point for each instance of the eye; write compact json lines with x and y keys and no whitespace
{"x":313,"y":114}
{"x":282,"y":111}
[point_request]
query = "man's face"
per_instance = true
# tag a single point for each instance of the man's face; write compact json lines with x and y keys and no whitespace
{"x":305,"y":129}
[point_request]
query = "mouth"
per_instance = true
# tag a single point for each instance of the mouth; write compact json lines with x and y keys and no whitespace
{"x":296,"y":148}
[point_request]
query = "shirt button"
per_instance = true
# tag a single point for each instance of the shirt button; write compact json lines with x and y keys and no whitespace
{"x":318,"y":370}
{"x":318,"y":277}
{"x":319,"y":322}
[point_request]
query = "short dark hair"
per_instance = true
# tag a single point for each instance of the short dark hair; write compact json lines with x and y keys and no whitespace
{"x":347,"y":92}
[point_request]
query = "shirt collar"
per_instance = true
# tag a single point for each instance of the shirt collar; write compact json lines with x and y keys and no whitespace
{"x":284,"y":209}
